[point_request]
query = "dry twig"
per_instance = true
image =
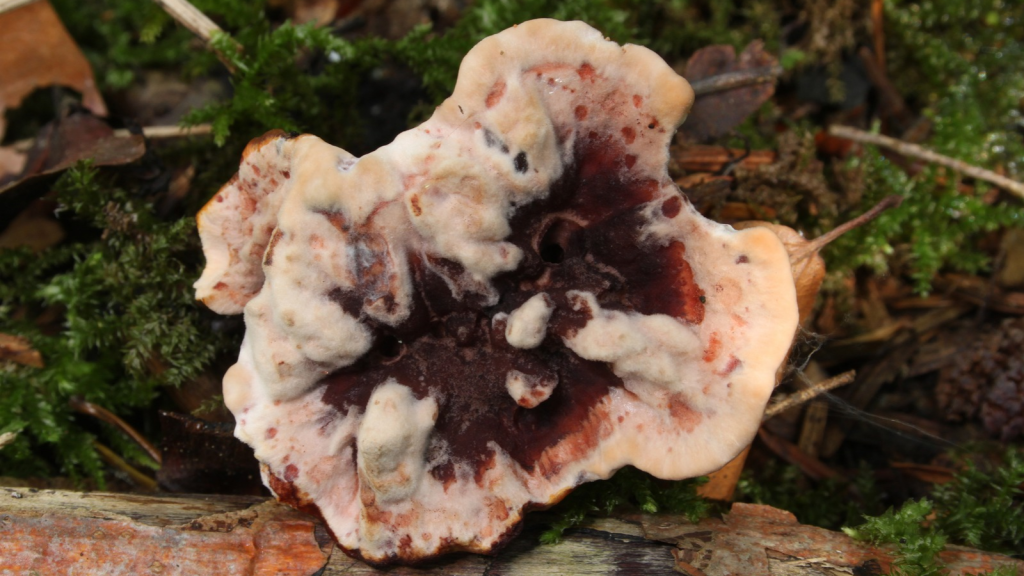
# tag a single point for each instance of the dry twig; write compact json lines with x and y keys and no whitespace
{"x":814,"y":246}
{"x":730,"y":80}
{"x":85,"y":407}
{"x":110,"y":457}
{"x":198,"y":23}
{"x":151,"y":132}
{"x":922,"y":153}
{"x":809,"y":393}
{"x":190,"y":17}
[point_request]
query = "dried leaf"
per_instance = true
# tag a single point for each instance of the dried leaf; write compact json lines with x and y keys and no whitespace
{"x":61,"y":144}
{"x":717,"y":113}
{"x":36,"y":51}
{"x":721,"y":483}
{"x":19,"y":350}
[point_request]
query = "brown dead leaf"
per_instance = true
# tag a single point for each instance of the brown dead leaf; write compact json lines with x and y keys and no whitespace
{"x":721,"y":484}
{"x":36,"y":51}
{"x":717,"y":113}
{"x":19,"y":350}
{"x":61,"y":144}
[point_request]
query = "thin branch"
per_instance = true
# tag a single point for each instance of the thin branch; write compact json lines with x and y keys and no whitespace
{"x":922,"y":153}
{"x":80,"y":404}
{"x":809,"y":393}
{"x":198,"y":23}
{"x":151,"y":132}
{"x":814,"y":246}
{"x":739,"y":79}
{"x":173,"y":131}
{"x":190,"y":17}
{"x":110,"y":457}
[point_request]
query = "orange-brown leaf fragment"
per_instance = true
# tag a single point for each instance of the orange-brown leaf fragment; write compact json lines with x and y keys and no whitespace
{"x":20,"y":351}
{"x":36,"y":51}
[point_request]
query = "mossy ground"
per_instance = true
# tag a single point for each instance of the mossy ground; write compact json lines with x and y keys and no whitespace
{"x":111,"y":307}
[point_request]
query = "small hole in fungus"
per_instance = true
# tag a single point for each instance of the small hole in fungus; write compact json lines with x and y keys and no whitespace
{"x":389,"y":346}
{"x":559,"y":241}
{"x":552,"y":253}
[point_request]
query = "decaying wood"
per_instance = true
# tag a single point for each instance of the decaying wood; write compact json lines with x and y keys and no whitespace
{"x":57,"y":532}
{"x":694,"y":158}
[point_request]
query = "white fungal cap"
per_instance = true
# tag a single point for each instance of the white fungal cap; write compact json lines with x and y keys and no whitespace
{"x":508,"y":300}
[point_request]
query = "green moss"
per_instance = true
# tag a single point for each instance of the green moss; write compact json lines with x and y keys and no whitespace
{"x":936,"y":227}
{"x":629,"y":487}
{"x":963,"y":64}
{"x":918,"y":547}
{"x":985,"y":510}
{"x":976,"y":509}
{"x":125,"y":37}
{"x":129,"y":326}
{"x":827,"y":504}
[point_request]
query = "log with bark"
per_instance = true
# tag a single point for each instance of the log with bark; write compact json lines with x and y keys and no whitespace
{"x":59,"y":532}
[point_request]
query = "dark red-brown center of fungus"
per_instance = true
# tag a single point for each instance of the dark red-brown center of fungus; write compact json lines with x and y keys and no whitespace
{"x":585,"y":235}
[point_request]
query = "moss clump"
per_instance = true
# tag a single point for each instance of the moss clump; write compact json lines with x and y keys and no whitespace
{"x":827,"y":504}
{"x":980,"y":510}
{"x":962,"y":64}
{"x":936,"y":227}
{"x":128,"y":325}
{"x":918,"y":547}
{"x":629,"y":487}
